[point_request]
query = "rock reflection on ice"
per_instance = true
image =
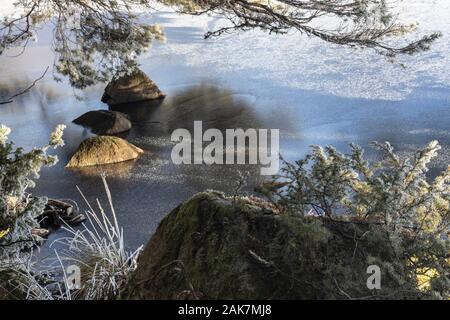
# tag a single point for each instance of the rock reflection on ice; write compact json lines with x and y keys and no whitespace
{"x":217,"y":108}
{"x":154,"y":122}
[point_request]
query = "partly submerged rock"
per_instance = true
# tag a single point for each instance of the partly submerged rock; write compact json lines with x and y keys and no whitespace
{"x":103,"y":150}
{"x":104,"y":122}
{"x":134,"y":87}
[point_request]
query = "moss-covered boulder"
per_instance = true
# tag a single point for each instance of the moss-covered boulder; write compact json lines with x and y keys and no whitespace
{"x":134,"y":87}
{"x":215,"y":247}
{"x":103,"y":150}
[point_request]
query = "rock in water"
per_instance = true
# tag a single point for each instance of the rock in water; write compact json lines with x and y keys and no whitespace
{"x":104,"y":122}
{"x":103,"y":150}
{"x":134,"y":87}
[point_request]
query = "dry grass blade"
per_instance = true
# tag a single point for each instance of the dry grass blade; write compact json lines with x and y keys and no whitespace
{"x":98,"y":249}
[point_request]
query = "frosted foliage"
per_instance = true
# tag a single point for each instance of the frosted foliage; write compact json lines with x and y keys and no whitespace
{"x":19,"y":209}
{"x":393,"y":197}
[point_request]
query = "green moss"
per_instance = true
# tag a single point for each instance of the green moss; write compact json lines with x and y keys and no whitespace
{"x":213,"y":247}
{"x":219,"y":242}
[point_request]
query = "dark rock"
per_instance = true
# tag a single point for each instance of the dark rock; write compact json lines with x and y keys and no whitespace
{"x":134,"y":87}
{"x":104,"y":122}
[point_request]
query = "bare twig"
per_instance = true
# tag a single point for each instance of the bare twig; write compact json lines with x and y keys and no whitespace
{"x":24,"y":91}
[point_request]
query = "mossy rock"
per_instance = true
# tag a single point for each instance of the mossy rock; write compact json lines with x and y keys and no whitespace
{"x":103,"y":150}
{"x":104,"y":122}
{"x":215,"y":247}
{"x":134,"y":87}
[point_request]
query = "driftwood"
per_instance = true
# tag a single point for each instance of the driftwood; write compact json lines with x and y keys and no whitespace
{"x":40,"y":232}
{"x":57,"y":213}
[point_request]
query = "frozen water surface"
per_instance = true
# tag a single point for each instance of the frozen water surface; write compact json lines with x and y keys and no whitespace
{"x":314,"y":92}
